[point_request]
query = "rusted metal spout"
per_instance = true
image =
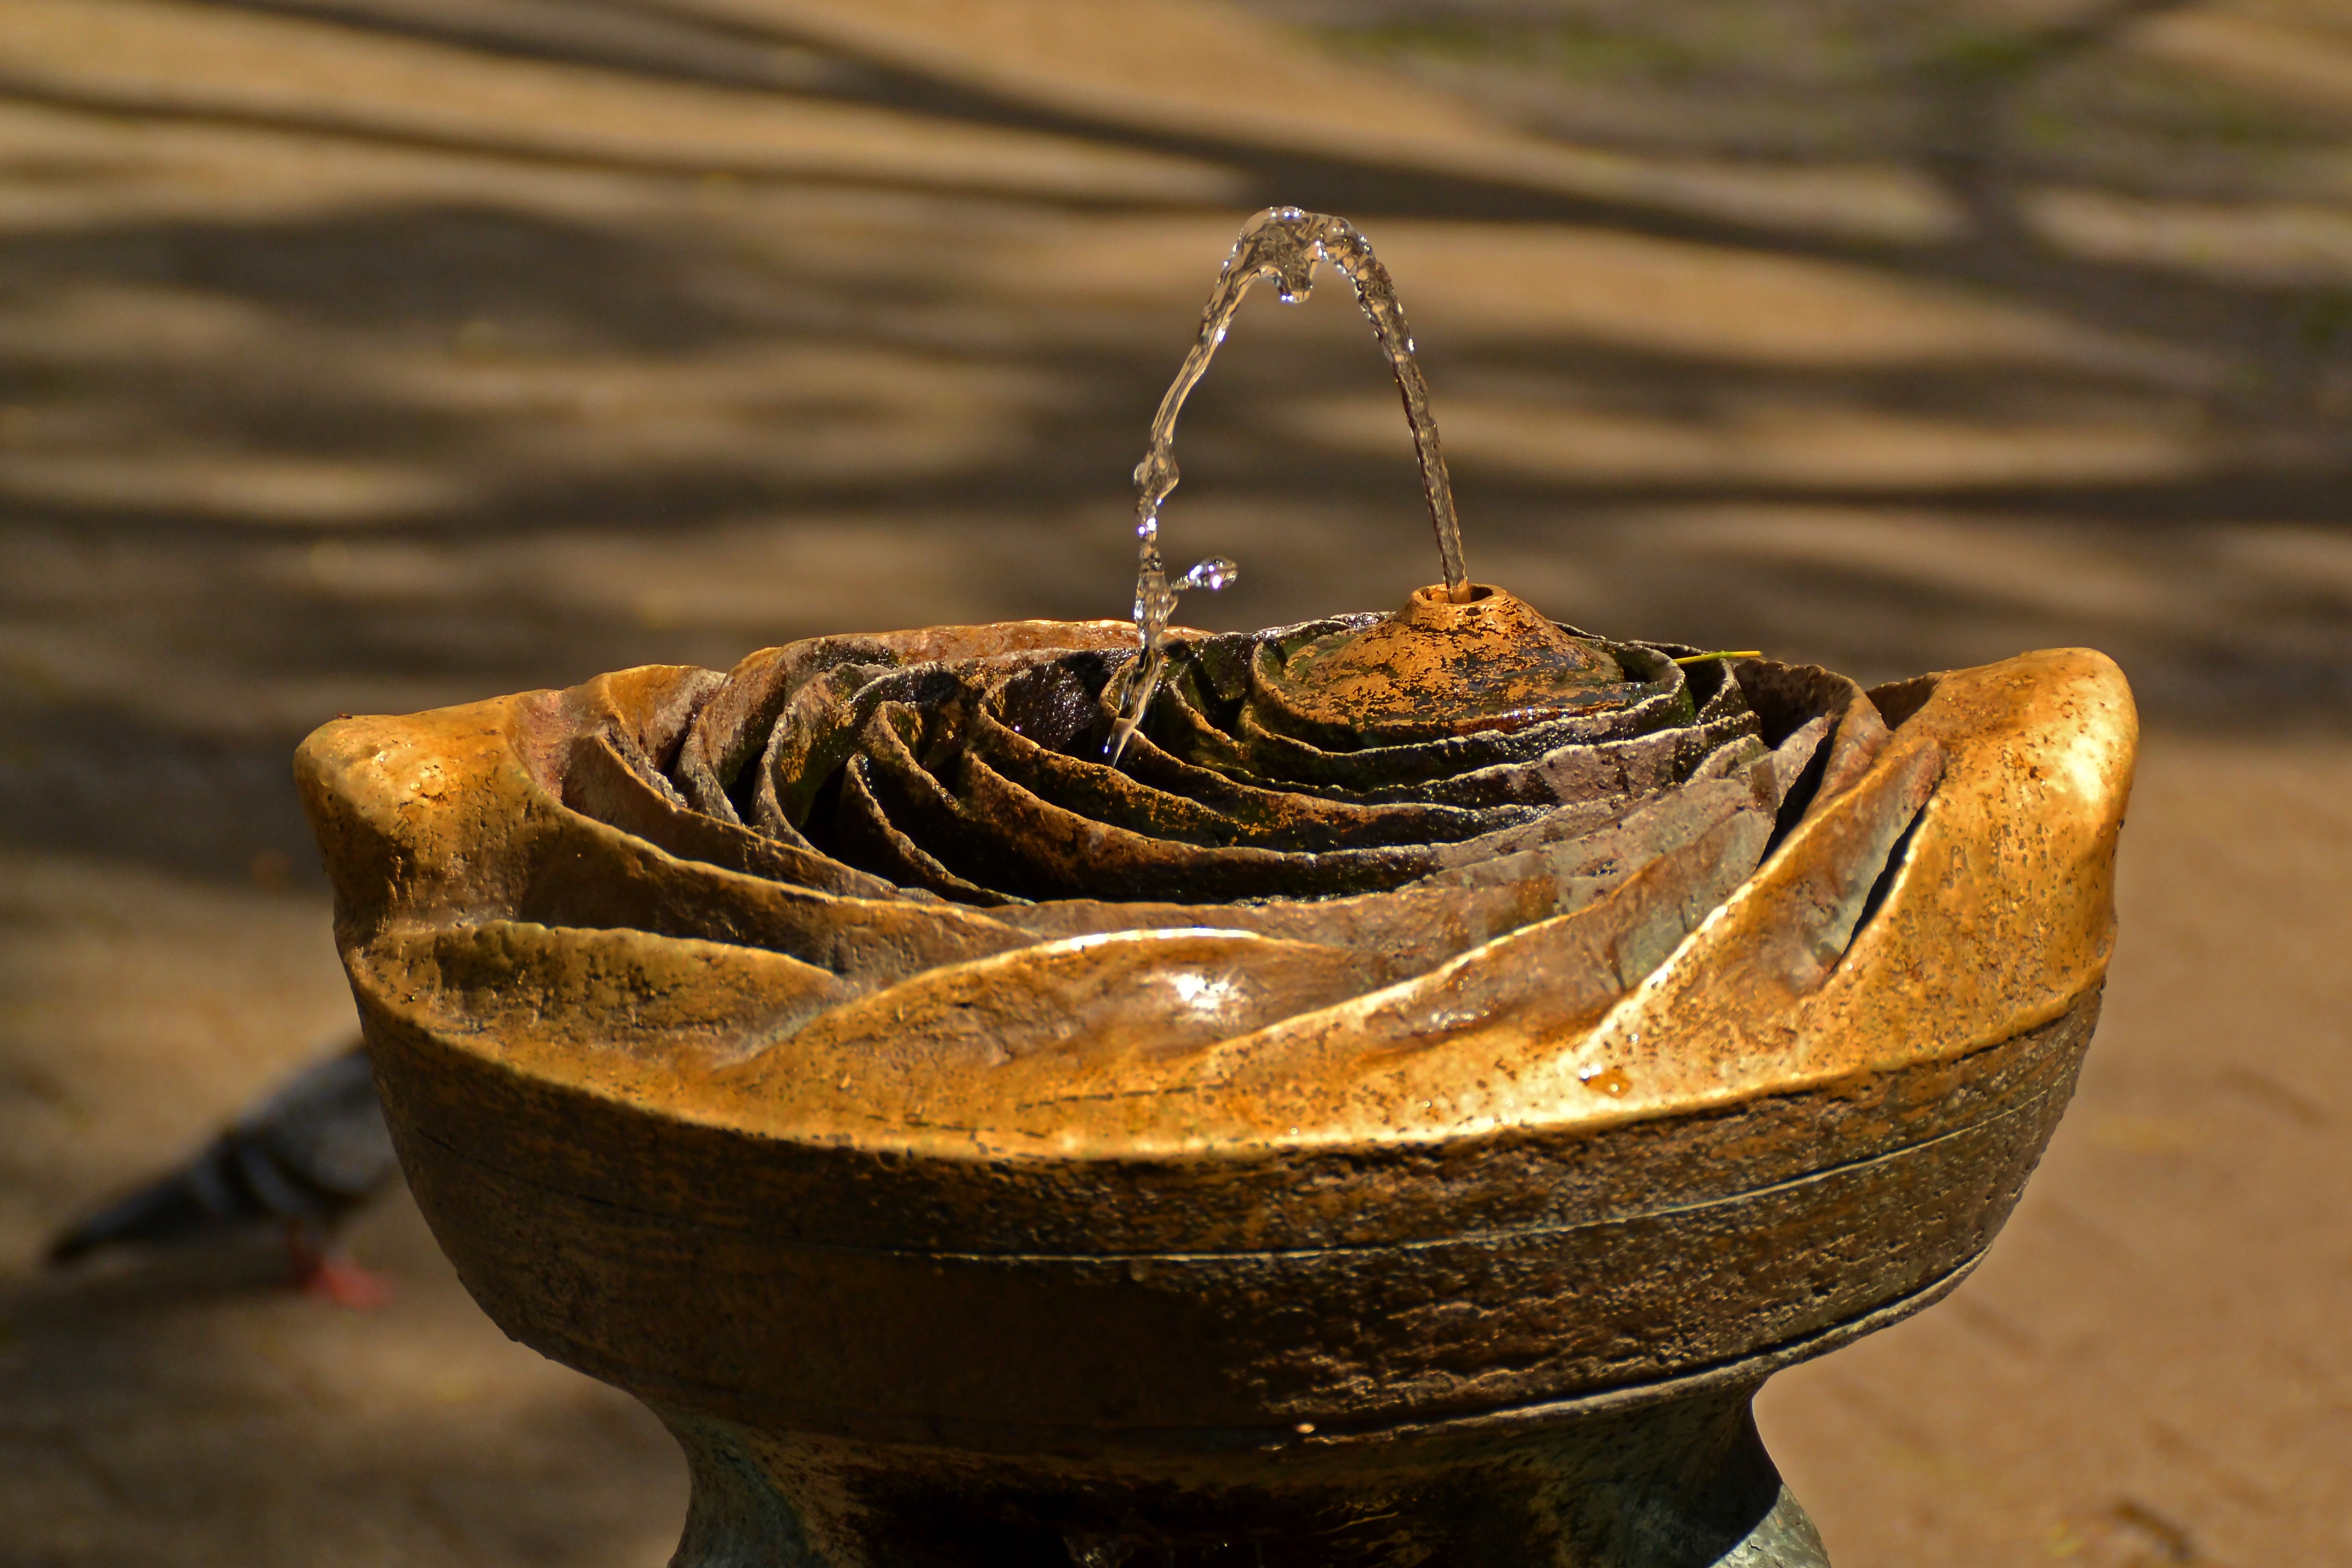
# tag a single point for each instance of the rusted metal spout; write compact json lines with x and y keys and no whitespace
{"x":1438,"y":667}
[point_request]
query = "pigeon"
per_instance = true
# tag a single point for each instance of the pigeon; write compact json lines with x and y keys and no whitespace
{"x":305,"y":1159}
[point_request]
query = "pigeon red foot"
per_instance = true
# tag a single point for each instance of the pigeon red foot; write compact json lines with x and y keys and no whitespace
{"x":333,"y":1275}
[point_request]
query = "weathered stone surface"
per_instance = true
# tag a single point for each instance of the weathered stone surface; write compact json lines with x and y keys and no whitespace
{"x":1567,"y":1100}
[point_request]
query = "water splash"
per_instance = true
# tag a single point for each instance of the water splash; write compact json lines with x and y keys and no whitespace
{"x":1283,"y":243}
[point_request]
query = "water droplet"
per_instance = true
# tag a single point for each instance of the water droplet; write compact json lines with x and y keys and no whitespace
{"x":1214,"y":573}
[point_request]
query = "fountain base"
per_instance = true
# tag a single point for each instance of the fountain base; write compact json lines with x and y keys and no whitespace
{"x":1682,"y":1483}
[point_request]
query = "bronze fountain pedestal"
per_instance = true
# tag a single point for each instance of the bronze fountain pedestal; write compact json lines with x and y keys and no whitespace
{"x":948,"y":1234}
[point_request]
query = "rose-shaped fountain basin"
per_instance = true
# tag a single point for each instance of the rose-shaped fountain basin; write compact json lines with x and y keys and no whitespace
{"x":968,"y":1214}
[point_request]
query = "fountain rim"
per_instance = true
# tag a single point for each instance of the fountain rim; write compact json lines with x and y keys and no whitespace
{"x":1497,"y":1135}
{"x":335,"y":769}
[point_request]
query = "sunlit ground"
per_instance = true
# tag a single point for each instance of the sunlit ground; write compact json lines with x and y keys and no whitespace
{"x":370,"y":355}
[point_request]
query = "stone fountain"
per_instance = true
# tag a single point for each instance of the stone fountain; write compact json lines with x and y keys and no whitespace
{"x":1381,"y":1092}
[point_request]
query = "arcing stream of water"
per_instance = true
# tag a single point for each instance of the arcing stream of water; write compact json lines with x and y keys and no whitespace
{"x":1283,"y":243}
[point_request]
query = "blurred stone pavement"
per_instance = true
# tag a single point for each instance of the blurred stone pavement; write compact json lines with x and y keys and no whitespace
{"x":367,"y":355}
